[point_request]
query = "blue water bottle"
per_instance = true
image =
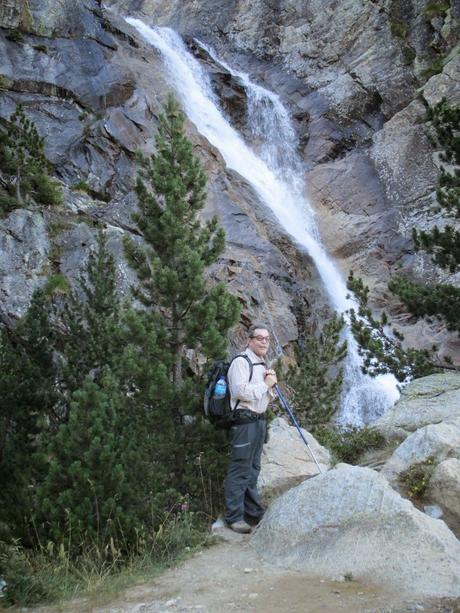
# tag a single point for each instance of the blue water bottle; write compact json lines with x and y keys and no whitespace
{"x":220,"y":388}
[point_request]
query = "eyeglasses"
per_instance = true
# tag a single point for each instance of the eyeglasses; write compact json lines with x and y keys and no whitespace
{"x":262,"y":339}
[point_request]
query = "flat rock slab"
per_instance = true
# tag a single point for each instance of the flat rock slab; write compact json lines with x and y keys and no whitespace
{"x":349,"y":521}
{"x":428,"y":400}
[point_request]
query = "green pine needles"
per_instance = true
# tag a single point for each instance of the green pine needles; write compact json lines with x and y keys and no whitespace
{"x":178,"y":248}
{"x":444,"y":243}
{"x":380,"y":346}
{"x":440,"y":300}
{"x":24,"y":168}
{"x":317,"y":381}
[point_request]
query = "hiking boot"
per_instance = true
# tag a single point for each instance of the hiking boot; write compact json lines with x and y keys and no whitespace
{"x":253,"y":521}
{"x":240,"y":526}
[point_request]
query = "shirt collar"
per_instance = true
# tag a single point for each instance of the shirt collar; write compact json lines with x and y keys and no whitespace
{"x":253,"y":357}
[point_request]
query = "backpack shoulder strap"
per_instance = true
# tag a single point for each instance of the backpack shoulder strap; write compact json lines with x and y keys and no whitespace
{"x":251,"y":365}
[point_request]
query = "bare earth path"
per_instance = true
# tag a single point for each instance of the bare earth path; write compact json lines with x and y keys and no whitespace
{"x":229,"y":576}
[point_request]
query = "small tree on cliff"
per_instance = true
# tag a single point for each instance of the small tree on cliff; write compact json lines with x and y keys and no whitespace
{"x":441,"y":300}
{"x":24,"y":168}
{"x":183,"y":310}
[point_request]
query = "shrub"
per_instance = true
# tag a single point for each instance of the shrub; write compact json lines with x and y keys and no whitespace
{"x":398,"y":29}
{"x":433,"y":8}
{"x":82,"y":186}
{"x":416,"y":478}
{"x":15,"y":36}
{"x":348,"y":444}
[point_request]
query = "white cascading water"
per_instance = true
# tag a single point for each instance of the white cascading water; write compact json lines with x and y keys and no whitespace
{"x":275,"y":173}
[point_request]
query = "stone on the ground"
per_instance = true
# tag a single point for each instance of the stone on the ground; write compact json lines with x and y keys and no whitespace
{"x":444,"y":487}
{"x":349,"y":520}
{"x":428,"y":400}
{"x":438,"y":441}
{"x":286,"y":461}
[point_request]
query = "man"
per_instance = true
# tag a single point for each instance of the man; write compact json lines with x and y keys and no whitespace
{"x":249,"y":398}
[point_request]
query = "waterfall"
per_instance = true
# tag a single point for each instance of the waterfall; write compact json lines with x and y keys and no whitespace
{"x":275,"y":173}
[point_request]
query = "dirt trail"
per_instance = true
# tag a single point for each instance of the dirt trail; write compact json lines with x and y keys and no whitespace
{"x":229,"y":576}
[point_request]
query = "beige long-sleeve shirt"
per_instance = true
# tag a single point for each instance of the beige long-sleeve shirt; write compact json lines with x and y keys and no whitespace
{"x":255,"y":394}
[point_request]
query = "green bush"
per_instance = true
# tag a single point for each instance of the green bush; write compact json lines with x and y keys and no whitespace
{"x":82,"y":186}
{"x":433,"y":8}
{"x":416,"y":478}
{"x":398,"y":29}
{"x":348,"y":444}
{"x":15,"y":36}
{"x":7,"y":203}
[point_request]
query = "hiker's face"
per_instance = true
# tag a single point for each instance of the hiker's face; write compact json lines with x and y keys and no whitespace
{"x":259,"y":342}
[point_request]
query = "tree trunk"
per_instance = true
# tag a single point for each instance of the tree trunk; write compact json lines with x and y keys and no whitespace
{"x":18,"y":187}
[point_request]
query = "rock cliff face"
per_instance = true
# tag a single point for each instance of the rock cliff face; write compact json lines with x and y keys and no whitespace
{"x":352,"y":74}
{"x":94,"y":90}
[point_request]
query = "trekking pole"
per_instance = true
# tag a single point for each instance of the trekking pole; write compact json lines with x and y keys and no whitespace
{"x":287,"y":408}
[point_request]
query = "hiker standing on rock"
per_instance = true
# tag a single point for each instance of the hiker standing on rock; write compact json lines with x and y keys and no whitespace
{"x":251,"y":386}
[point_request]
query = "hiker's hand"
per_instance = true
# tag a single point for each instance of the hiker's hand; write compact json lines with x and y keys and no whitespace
{"x":270,"y":378}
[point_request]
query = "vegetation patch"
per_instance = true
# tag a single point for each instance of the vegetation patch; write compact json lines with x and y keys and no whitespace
{"x":398,"y":29}
{"x":436,"y":67}
{"x":15,"y":36}
{"x":25,"y":170}
{"x":441,"y":300}
{"x":350,"y":443}
{"x":41,"y":48}
{"x":415,"y":479}
{"x":316,"y":382}
{"x":96,"y":393}
{"x":435,"y":8}
{"x":82,"y":186}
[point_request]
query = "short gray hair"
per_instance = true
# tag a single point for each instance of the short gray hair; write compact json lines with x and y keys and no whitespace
{"x":255,"y":327}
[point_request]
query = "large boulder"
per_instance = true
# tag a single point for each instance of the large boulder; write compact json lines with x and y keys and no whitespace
{"x":286,"y":461}
{"x":437,"y":441}
{"x":428,"y":400}
{"x":444,"y":490}
{"x":349,"y":520}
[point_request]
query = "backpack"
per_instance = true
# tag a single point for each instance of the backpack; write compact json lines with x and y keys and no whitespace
{"x":218,"y":409}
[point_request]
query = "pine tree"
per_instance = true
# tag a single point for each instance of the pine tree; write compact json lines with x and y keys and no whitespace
{"x":380,"y":347}
{"x":92,"y":335}
{"x":317,"y":381}
{"x":29,"y":404}
{"x":445,"y":244}
{"x":440,"y":300}
{"x":183,"y":310}
{"x":24,"y":168}
{"x":86,"y":498}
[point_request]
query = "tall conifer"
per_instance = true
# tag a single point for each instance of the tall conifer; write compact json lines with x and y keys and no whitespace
{"x":183,"y":310}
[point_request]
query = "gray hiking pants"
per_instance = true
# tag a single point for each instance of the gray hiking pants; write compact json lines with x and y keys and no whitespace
{"x":241,"y":495}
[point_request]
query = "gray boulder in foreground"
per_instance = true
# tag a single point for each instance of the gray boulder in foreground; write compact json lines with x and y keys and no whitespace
{"x":286,"y":461}
{"x":424,"y":401}
{"x":349,"y":520}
